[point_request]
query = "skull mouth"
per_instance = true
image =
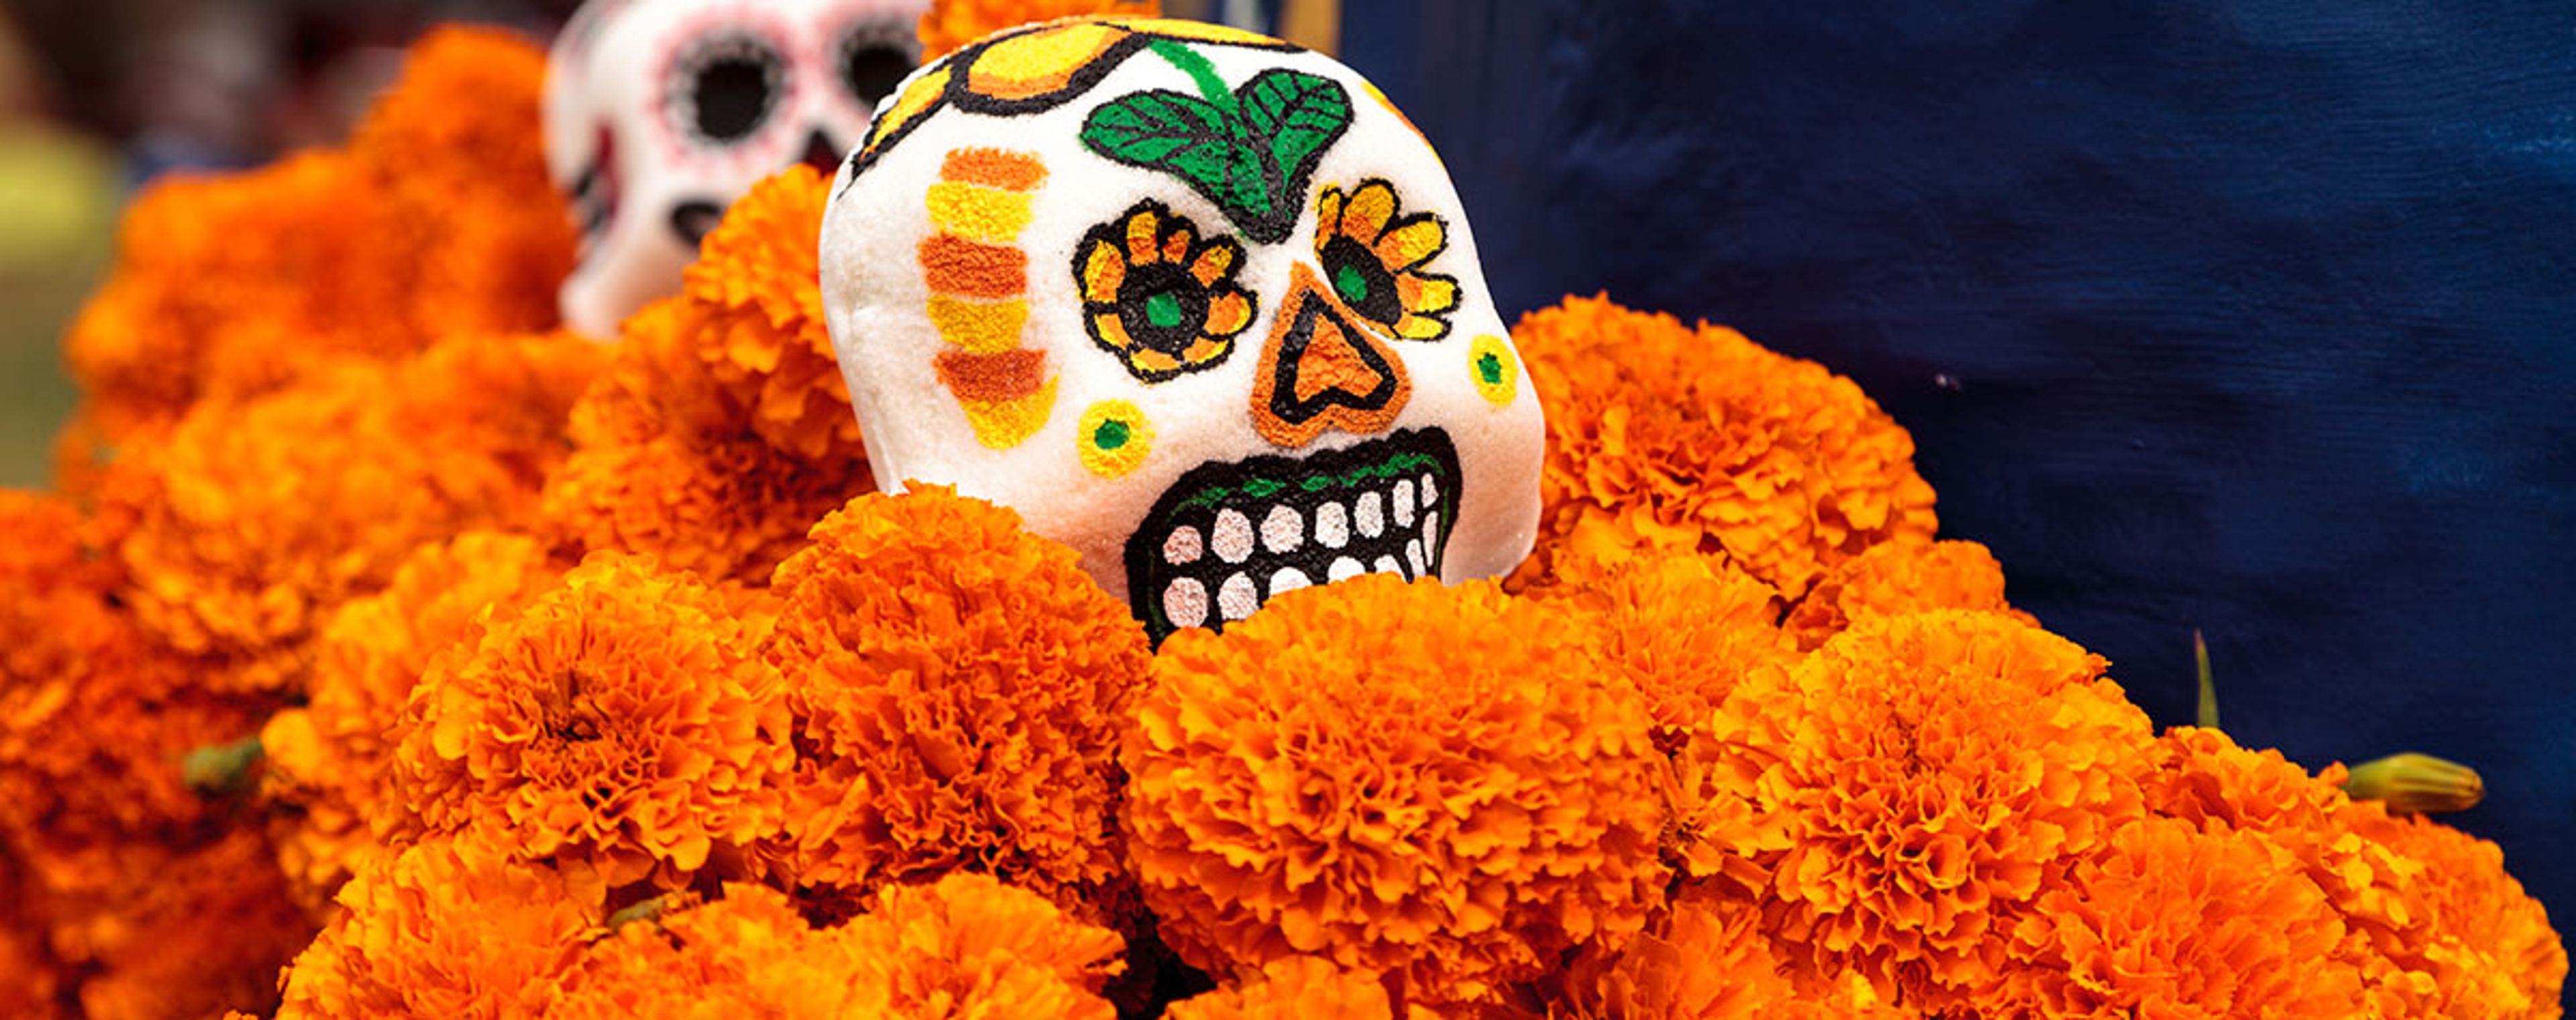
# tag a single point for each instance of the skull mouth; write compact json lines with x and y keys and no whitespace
{"x":1229,"y":535}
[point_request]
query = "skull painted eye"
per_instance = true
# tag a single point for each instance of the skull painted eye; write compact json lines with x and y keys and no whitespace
{"x":1157,"y":295}
{"x":724,"y":88}
{"x":873,"y":57}
{"x":1373,"y":258}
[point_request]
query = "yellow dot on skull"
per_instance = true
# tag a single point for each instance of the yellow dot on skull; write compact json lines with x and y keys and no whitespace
{"x":1113,"y":438}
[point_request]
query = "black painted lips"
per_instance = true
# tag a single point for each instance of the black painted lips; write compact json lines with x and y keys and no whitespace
{"x":1228,"y":535}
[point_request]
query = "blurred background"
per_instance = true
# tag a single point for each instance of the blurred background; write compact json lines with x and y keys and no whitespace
{"x":2242,"y":317}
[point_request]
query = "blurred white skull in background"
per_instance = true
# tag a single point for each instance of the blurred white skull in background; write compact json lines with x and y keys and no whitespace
{"x":659,"y":113}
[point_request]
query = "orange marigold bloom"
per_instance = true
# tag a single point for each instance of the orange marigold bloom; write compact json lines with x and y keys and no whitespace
{"x":1684,"y":629}
{"x":1292,"y":988}
{"x":2170,"y":920}
{"x":756,"y":300}
{"x":1707,"y":960}
{"x":958,"y":685}
{"x":621,"y":725}
{"x":1661,"y":436}
{"x":747,"y":954}
{"x":1433,"y":782}
{"x":970,"y":945}
{"x":443,"y":928}
{"x":183,"y":932}
{"x":1908,"y":790}
{"x":249,"y":522}
{"x":438,"y":220}
{"x":327,"y":759}
{"x":950,"y":24}
{"x":1901,"y":577}
{"x":2460,"y":937}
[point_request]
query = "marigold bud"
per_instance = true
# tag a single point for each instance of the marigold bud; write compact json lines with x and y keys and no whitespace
{"x":2417,"y":783}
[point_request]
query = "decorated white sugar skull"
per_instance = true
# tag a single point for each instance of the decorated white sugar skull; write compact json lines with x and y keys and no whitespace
{"x":659,"y":113}
{"x":1196,"y":302}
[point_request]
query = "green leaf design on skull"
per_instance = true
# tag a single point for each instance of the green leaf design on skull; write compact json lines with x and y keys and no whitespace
{"x":1251,"y":151}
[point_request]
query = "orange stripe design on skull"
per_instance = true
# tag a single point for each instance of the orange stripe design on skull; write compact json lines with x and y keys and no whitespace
{"x":978,"y":281}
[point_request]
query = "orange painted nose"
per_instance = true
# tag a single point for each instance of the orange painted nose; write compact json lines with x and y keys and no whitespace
{"x":1321,"y":372}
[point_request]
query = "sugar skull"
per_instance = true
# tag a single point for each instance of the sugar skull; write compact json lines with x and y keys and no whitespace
{"x":659,"y":113}
{"x":1196,"y":302}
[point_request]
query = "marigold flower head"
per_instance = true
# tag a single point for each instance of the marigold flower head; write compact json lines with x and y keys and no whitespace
{"x":958,"y":686}
{"x":2172,"y":920}
{"x":950,"y":24}
{"x":621,"y":725}
{"x":1666,"y":437}
{"x":971,"y":944}
{"x":2459,"y":936}
{"x":327,"y":759}
{"x":1292,"y":988}
{"x":438,"y":220}
{"x":1909,"y":789}
{"x":251,"y":521}
{"x":182,"y":931}
{"x":1707,"y":959}
{"x":747,"y":954}
{"x":757,"y":298}
{"x":1903,"y":576}
{"x":1433,"y":782}
{"x":446,"y":927}
{"x":1683,"y":628}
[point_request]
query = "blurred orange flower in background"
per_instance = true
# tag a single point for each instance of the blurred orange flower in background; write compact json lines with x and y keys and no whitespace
{"x":1429,"y":781}
{"x":1292,"y":988}
{"x":446,"y":927}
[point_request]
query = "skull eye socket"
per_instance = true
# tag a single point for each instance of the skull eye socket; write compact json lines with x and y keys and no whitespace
{"x":1375,"y":258}
{"x":874,"y":57}
{"x":1157,"y":295}
{"x":724,"y":88}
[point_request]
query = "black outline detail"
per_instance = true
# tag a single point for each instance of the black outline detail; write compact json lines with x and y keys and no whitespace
{"x":1284,"y":404}
{"x":1114,"y":233}
{"x":1148,"y":574}
{"x":1457,"y":295}
{"x":876,"y":35}
{"x":1083,"y":78}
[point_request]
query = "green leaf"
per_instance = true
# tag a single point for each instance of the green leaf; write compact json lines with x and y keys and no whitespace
{"x":1299,"y":115}
{"x":1184,"y":136}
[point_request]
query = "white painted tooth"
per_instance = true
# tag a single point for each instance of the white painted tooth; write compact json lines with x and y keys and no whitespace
{"x":1232,"y":536}
{"x":1288,"y":579}
{"x":1185,"y":603}
{"x":1413,"y":552}
{"x":1388,"y":565}
{"x":1283,"y":531}
{"x":1332,"y":525}
{"x":1431,"y":535}
{"x":1430,"y":492}
{"x":1367,"y":514}
{"x":1403,"y":503}
{"x":1343,"y":569}
{"x":1236,"y":597}
{"x":1181,"y":546}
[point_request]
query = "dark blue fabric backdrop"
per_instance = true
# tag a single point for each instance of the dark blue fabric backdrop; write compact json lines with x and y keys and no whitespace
{"x":2251,"y":317}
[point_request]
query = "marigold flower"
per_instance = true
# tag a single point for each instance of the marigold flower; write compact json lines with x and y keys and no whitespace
{"x":1683,"y":628}
{"x":970,"y":945}
{"x":957,"y":686}
{"x":757,"y":298}
{"x":2173,"y":920}
{"x":1292,"y":988}
{"x":1434,"y":782}
{"x":182,"y":931}
{"x":1901,"y":577}
{"x":2459,"y":937}
{"x":1665,"y":437}
{"x":444,"y":928}
{"x":1909,"y":788}
{"x":438,"y":220}
{"x":747,"y":954}
{"x":1707,"y":959}
{"x":251,"y":521}
{"x":950,"y":24}
{"x":327,"y":759}
{"x":621,"y":726}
